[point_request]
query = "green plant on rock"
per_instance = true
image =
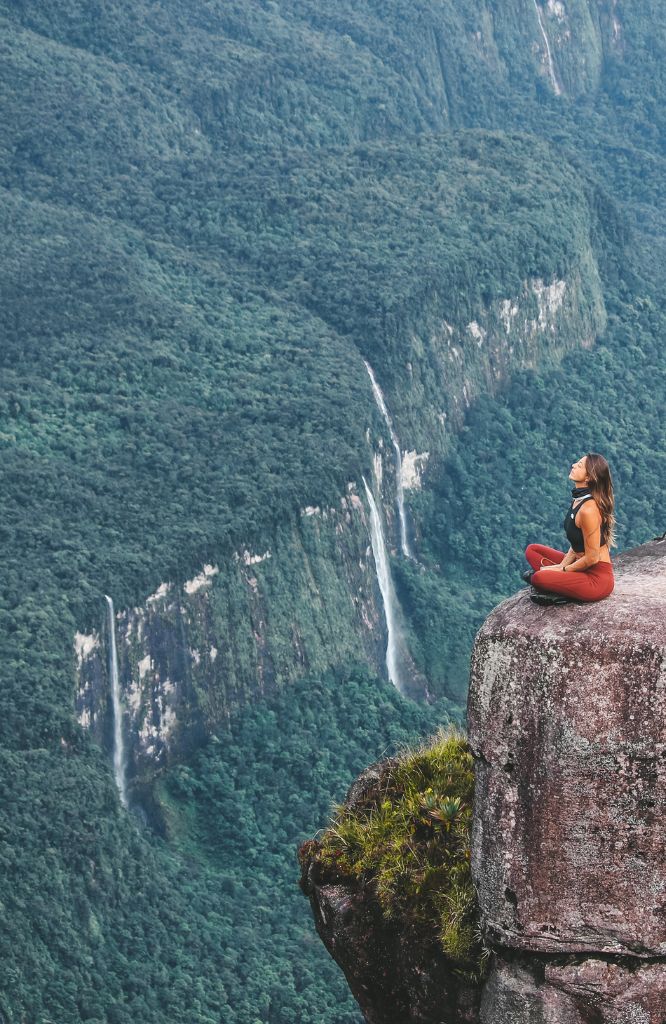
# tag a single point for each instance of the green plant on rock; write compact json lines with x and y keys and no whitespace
{"x":410,"y":840}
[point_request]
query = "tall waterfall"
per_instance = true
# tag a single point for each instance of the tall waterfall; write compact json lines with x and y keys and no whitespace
{"x":386,"y":588}
{"x":400,"y":491}
{"x":557,"y":89}
{"x":118,"y":745}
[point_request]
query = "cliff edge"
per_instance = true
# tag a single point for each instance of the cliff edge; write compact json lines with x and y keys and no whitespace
{"x":567,"y":730}
{"x":567,"y":725}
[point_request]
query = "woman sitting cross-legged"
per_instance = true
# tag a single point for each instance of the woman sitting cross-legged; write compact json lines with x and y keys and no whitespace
{"x":585,"y":573}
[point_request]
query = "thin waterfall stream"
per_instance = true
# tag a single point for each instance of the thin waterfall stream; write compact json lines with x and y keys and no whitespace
{"x":557,"y":88}
{"x":119,"y":764}
{"x":386,"y":589}
{"x":405,"y":546}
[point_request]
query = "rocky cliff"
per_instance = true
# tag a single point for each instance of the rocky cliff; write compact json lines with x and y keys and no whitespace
{"x":198,"y":650}
{"x":566,"y":713}
{"x":448,"y":365}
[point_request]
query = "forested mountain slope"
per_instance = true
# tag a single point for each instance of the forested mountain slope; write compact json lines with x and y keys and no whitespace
{"x":213,"y":213}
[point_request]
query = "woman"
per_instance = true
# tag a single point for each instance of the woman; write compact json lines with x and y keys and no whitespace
{"x":585,"y":573}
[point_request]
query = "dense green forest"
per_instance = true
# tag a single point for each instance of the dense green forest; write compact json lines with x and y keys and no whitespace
{"x":212,"y":213}
{"x":101,"y":922}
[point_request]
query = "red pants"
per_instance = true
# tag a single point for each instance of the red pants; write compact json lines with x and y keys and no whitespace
{"x":584,"y":585}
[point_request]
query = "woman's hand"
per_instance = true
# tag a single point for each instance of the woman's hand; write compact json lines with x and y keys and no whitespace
{"x":551,"y":568}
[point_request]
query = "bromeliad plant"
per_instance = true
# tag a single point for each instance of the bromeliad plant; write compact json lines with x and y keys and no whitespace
{"x":412,"y":845}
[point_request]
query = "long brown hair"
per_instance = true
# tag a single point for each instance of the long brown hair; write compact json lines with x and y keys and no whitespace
{"x":601,"y":485}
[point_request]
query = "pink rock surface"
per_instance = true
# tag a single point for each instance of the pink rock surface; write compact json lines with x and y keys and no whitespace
{"x":591,"y":992}
{"x":567,"y":720}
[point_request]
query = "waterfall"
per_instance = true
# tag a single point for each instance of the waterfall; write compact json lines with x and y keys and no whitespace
{"x":551,"y":66}
{"x":400,"y":491}
{"x":118,"y":746}
{"x":386,"y":588}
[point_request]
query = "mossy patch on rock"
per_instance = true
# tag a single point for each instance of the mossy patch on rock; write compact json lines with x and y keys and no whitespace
{"x":406,"y":838}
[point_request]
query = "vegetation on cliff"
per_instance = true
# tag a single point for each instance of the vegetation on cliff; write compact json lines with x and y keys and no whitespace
{"x":409,"y":841}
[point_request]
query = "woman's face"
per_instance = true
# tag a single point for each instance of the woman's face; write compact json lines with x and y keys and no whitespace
{"x":579,"y":471}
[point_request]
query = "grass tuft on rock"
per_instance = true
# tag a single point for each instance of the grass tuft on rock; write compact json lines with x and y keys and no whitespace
{"x":410,"y":840}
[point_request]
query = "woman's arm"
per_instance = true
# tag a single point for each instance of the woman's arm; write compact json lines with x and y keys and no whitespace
{"x":568,"y":559}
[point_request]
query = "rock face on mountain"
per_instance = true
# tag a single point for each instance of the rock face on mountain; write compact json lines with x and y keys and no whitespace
{"x":567,"y":720}
{"x":195,"y":652}
{"x":588,"y":990}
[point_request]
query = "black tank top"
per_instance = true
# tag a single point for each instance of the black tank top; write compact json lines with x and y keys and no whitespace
{"x":573,"y":532}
